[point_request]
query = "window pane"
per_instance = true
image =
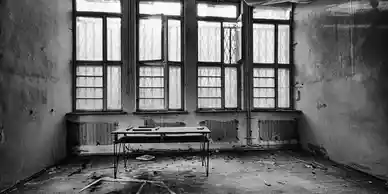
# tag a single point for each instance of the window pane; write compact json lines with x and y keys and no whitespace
{"x":264,"y":82}
{"x":114,"y":39}
{"x":89,"y":82}
{"x":89,"y":39}
{"x":231,"y":43}
{"x":89,"y":71}
{"x":209,"y":92}
{"x":150,"y":39}
{"x":151,"y":104}
{"x":264,"y":102}
{"x":263,"y":72}
{"x":209,"y":103}
{"x":276,"y":13}
{"x":151,"y":82}
{"x":209,"y":82}
{"x":209,"y":71}
{"x":263,"y":43}
{"x":175,"y":88}
{"x":284,"y":88}
{"x":114,"y":88}
{"x":89,"y":93}
{"x":209,"y":41}
{"x":228,"y":11}
{"x":151,"y":71}
{"x":158,"y":7}
{"x":231,"y":89}
{"x":284,"y":44}
{"x":264,"y":92}
{"x":151,"y":93}
{"x":89,"y":104}
{"x":113,"y":6}
{"x":174,"y":40}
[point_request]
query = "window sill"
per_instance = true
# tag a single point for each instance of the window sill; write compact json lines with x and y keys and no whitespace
{"x":219,"y":111}
{"x":159,"y":112}
{"x":97,"y":113}
{"x":277,"y":110}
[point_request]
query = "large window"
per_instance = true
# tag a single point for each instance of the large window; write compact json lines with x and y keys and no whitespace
{"x":97,"y":54}
{"x":219,"y":52}
{"x":159,"y":83}
{"x":271,"y":58}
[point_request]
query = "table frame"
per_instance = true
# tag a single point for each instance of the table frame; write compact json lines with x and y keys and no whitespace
{"x":161,"y":135}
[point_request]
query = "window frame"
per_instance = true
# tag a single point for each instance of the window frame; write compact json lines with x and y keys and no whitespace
{"x":221,"y":64}
{"x":104,"y":63}
{"x":276,"y":65}
{"x":164,"y":57}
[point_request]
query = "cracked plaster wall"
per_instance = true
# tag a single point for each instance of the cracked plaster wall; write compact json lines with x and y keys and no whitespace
{"x":35,"y":92}
{"x":342,"y":72}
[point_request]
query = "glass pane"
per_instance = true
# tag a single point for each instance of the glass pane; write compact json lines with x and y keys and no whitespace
{"x":175,"y":88}
{"x":239,"y":41}
{"x":231,"y":43}
{"x":158,"y":7}
{"x":210,"y":10}
{"x":89,"y":104}
{"x":209,"y":103}
{"x":89,"y":82}
{"x":114,"y":39}
{"x":209,"y":92}
{"x":263,"y":43}
{"x":151,"y":71}
{"x":151,"y":104}
{"x":283,"y":88}
{"x":113,"y":6}
{"x":264,"y":82}
{"x":114,"y":88}
{"x":89,"y":93}
{"x":151,"y":93}
{"x":209,"y":71}
{"x":89,"y":39}
{"x":231,"y":89}
{"x":263,"y":72}
{"x":151,"y":82}
{"x":209,"y":82}
{"x":209,"y":41}
{"x":264,"y":92}
{"x":89,"y":71}
{"x":150,"y":39}
{"x":174,"y":40}
{"x":264,"y":103}
{"x":276,"y":13}
{"x":284,"y":44}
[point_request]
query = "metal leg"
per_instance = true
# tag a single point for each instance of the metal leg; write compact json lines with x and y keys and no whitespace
{"x":114,"y":160}
{"x":208,"y":157}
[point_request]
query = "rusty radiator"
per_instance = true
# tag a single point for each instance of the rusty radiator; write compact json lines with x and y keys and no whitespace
{"x":280,"y":131}
{"x":89,"y":133}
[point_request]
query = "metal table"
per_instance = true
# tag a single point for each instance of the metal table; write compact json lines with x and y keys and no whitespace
{"x":160,"y":135}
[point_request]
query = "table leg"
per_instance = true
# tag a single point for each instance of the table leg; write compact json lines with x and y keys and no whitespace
{"x":114,"y":160}
{"x":208,"y":157}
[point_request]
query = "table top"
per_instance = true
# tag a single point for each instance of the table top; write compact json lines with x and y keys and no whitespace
{"x":162,"y":130}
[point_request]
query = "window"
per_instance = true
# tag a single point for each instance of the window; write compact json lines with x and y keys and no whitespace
{"x":271,"y":58}
{"x":160,"y":64}
{"x":97,"y":55}
{"x":219,"y":52}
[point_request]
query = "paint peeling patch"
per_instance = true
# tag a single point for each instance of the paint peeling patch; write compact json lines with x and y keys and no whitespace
{"x":222,"y":131}
{"x":317,"y":150}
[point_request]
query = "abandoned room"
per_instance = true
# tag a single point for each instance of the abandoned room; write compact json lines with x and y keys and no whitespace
{"x":194,"y":96}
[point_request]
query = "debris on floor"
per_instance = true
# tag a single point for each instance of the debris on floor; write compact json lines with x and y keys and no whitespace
{"x":145,"y":157}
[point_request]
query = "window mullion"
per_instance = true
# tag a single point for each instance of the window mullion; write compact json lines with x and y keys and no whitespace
{"x":165,"y":60}
{"x":105,"y":59}
{"x":276,"y":64}
{"x":222,"y":67}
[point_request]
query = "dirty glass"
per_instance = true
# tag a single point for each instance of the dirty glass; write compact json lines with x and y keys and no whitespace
{"x":211,"y":10}
{"x":151,"y":88}
{"x":150,"y":39}
{"x":263,"y":43}
{"x":110,"y":6}
{"x":264,"y":88}
{"x":114,"y":39}
{"x":284,"y":44}
{"x":209,"y":87}
{"x":89,"y":39}
{"x":174,"y":40}
{"x":283,"y":88}
{"x":231,"y":89}
{"x":114,"y":88}
{"x":175,"y":87}
{"x":275,"y":13}
{"x":209,"y":41}
{"x":160,"y":7}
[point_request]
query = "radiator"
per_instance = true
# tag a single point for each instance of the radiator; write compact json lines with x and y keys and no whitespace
{"x":89,"y":133}
{"x":279,"y":131}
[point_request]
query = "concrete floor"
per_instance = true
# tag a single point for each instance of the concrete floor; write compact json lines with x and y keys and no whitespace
{"x":244,"y":172}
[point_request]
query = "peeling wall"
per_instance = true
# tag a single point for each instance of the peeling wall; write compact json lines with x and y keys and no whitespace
{"x":35,"y":92}
{"x":342,"y":70}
